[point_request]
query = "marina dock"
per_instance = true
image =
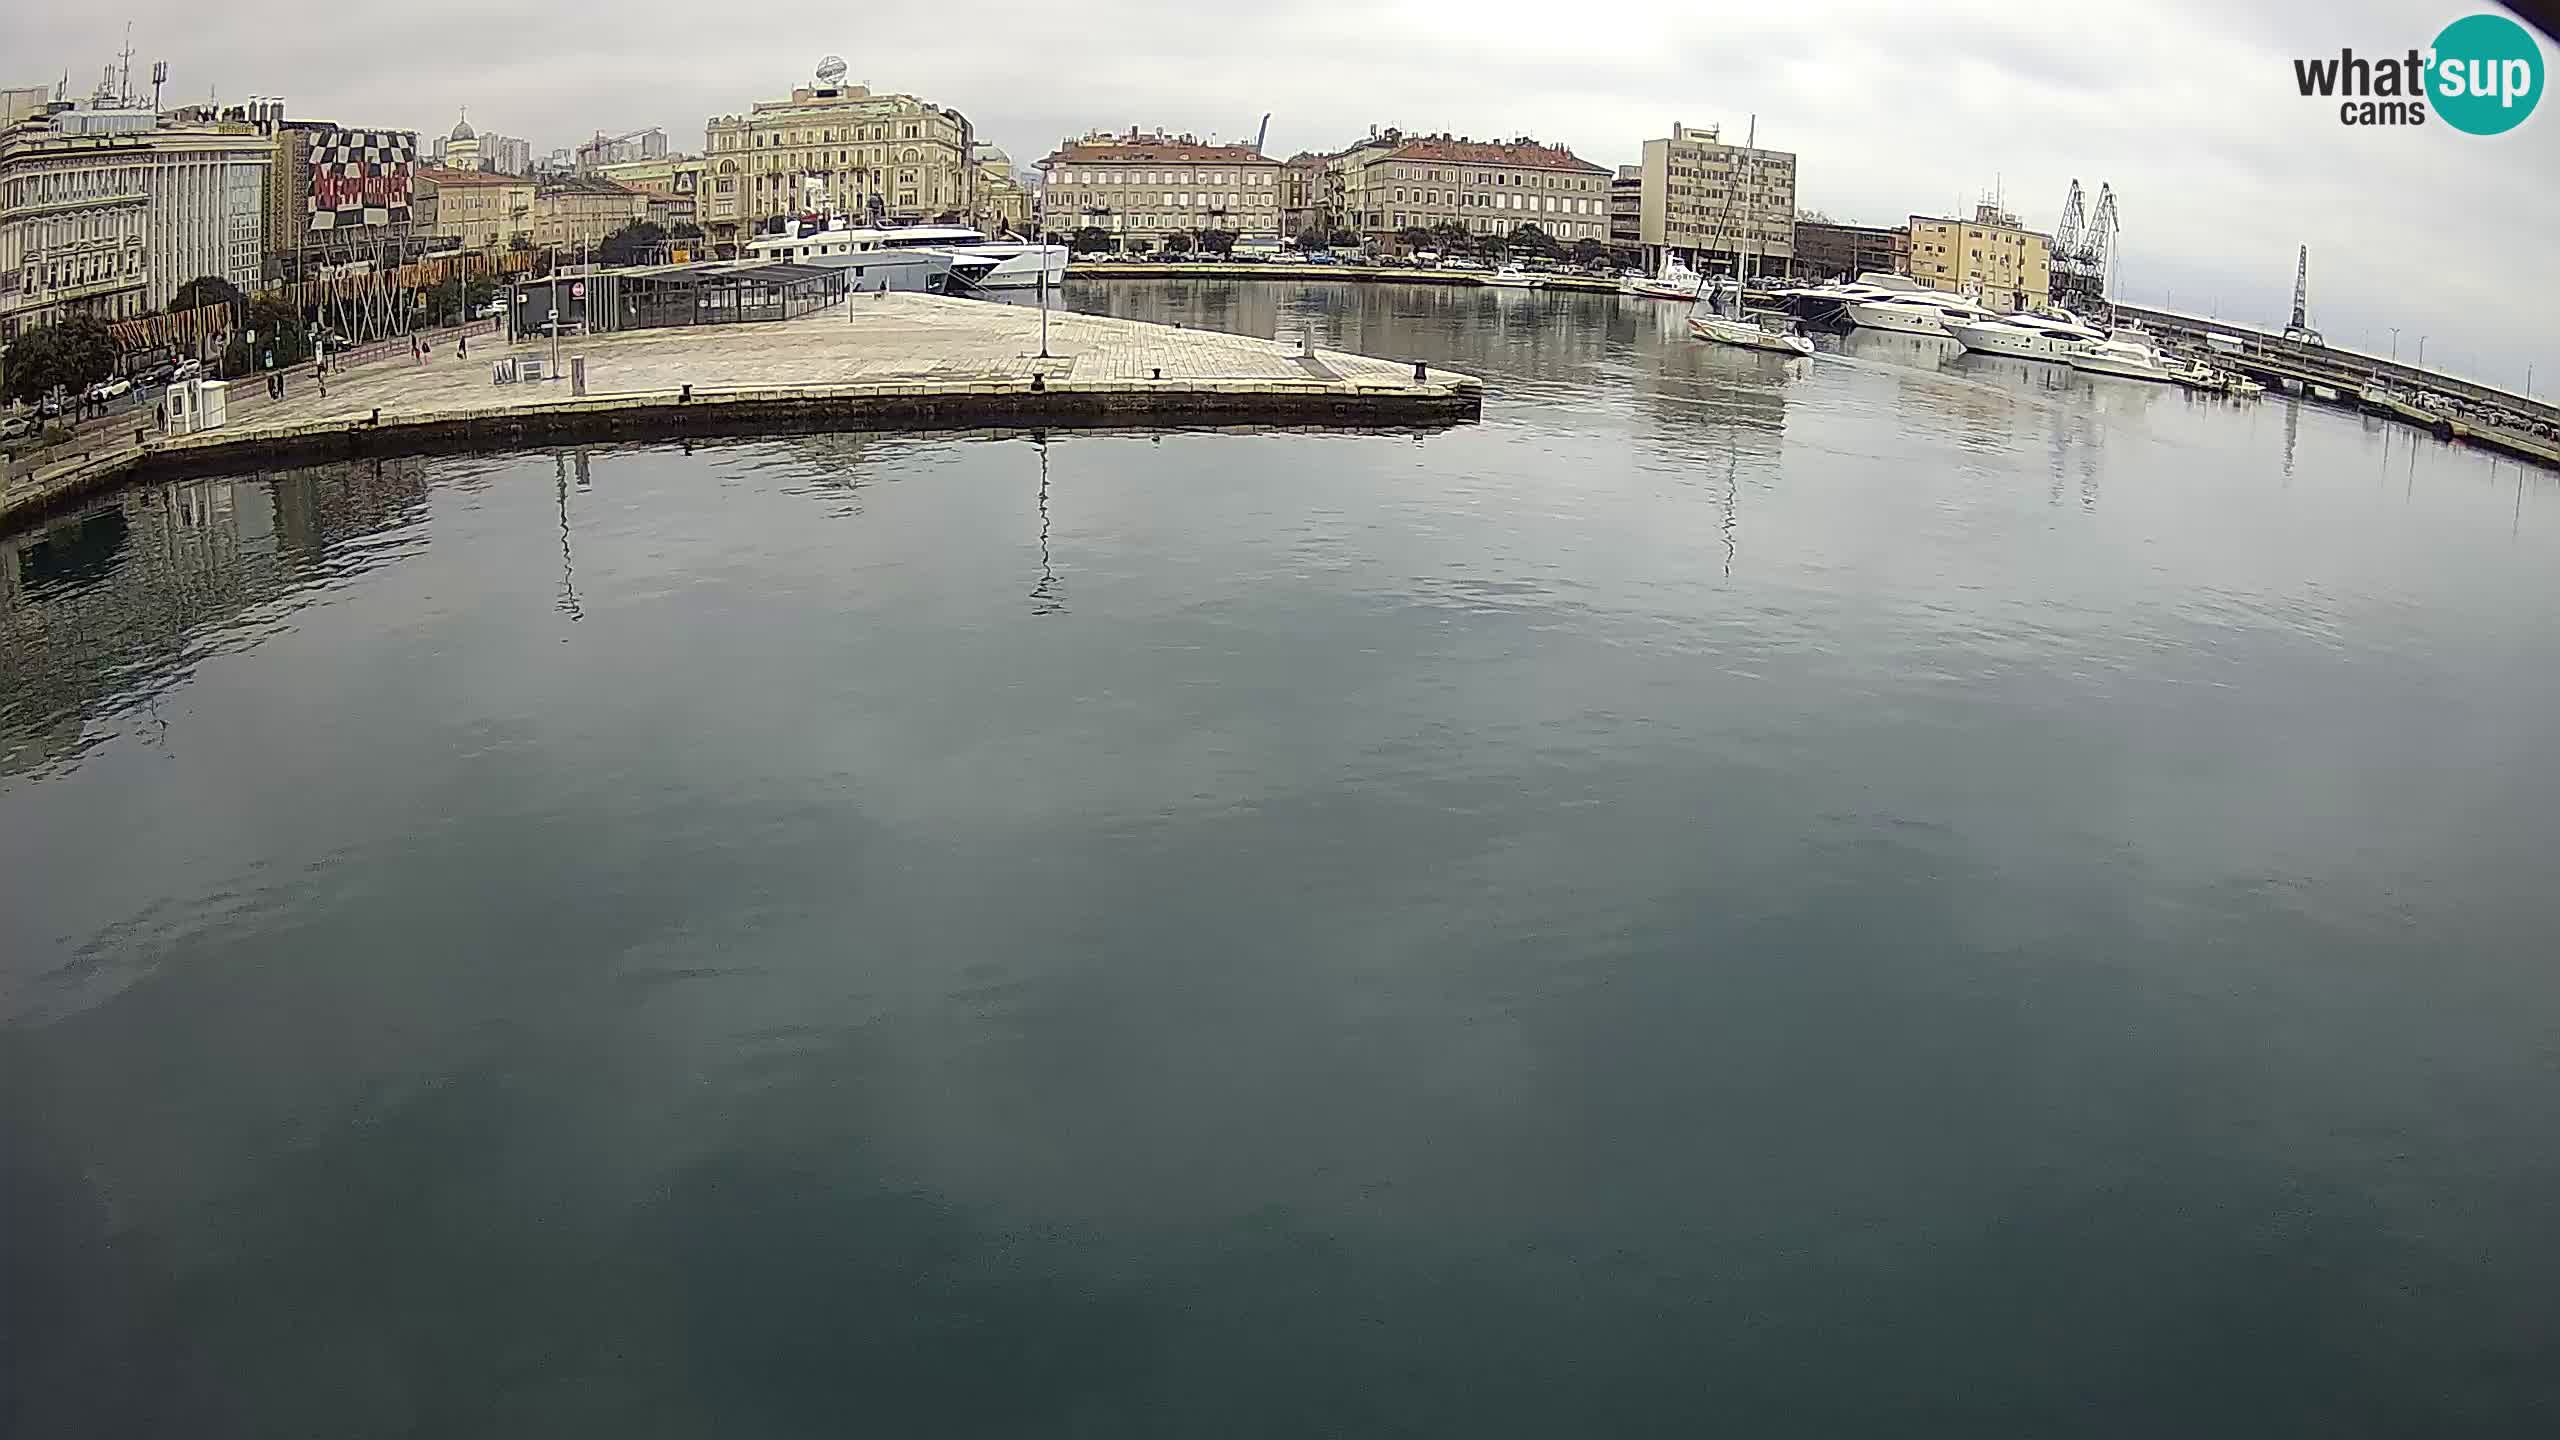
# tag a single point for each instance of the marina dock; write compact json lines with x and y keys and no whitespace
{"x":894,"y":361}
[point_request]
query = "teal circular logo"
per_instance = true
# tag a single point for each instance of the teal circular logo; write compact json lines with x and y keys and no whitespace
{"x":2487,"y":75}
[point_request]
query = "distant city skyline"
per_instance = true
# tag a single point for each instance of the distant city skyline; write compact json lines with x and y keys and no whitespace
{"x":2186,"y":107}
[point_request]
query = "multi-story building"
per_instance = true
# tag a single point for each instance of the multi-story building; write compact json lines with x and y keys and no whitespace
{"x":1831,"y":251}
{"x":1716,"y":206}
{"x":207,"y":210}
{"x":19,"y":102}
{"x":364,"y":216}
{"x":1143,"y":188}
{"x":1626,"y":206}
{"x":577,"y":213}
{"x":657,"y":173}
{"x":839,"y":147}
{"x":1488,"y":187}
{"x":74,"y":224}
{"x":1004,"y":202}
{"x":505,"y":154}
{"x":1302,"y":187}
{"x":477,"y":209}
{"x":1991,"y":255}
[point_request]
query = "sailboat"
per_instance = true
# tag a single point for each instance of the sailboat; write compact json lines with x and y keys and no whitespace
{"x":1727,"y":324}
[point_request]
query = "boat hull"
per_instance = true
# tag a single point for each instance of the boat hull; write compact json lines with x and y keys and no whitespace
{"x":1885,"y":317}
{"x":1989,"y":340}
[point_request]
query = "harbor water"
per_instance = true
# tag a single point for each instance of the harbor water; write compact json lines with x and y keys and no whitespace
{"x":1887,"y":894}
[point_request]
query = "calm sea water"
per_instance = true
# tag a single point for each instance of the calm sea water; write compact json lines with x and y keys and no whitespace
{"x":1892,"y":895}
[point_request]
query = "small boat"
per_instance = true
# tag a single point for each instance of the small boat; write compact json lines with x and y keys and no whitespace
{"x":1675,"y":282}
{"x":1514,"y":278}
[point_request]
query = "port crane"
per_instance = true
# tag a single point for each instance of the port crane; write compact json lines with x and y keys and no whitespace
{"x":2083,"y":247}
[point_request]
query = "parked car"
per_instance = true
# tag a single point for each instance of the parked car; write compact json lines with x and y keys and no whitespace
{"x":51,"y":407}
{"x":187,"y":370}
{"x":494,"y":310}
{"x":13,"y":426}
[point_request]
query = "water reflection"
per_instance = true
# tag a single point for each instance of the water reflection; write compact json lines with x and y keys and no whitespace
{"x":101,"y":612}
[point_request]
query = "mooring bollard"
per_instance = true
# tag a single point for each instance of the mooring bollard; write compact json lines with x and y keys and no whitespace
{"x":1035,"y":381}
{"x":377,"y":414}
{"x":1419,"y":375}
{"x":1156,"y":374}
{"x":685,"y":396}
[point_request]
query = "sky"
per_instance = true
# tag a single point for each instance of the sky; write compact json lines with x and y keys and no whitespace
{"x":2187,"y":107}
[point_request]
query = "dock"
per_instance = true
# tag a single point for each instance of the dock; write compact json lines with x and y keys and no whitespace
{"x":874,"y":362}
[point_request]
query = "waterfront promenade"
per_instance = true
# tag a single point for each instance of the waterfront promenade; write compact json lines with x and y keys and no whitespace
{"x":873,"y":362}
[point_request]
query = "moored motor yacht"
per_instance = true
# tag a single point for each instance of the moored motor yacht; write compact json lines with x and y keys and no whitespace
{"x":1919,"y":314}
{"x":2026,"y":336}
{"x":1675,"y":282}
{"x":976,"y":261}
{"x":2129,"y":353}
{"x":1515,"y":278}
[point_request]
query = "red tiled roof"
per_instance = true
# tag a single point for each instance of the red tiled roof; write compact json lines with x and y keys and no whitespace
{"x":1479,"y":152}
{"x":1153,"y":151}
{"x":442,"y":176}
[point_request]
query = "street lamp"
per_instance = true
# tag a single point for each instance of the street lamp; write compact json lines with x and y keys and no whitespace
{"x":2395,"y":344}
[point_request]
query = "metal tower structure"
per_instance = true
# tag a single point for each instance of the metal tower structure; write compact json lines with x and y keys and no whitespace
{"x":2083,"y":245}
{"x":2300,"y":330}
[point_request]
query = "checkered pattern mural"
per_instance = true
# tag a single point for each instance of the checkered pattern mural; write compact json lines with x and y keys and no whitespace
{"x":361,"y":177}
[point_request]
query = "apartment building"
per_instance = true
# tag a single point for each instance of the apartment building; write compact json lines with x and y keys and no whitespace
{"x":479,"y":209}
{"x":1991,"y":255}
{"x":892,"y":158}
{"x":1490,"y":187}
{"x":1142,"y":188}
{"x":1715,"y":206}
{"x":1829,"y":251}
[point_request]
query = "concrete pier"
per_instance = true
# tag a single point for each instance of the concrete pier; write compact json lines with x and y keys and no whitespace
{"x":896,"y":361}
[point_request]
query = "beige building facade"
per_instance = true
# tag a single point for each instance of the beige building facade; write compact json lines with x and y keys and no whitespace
{"x":1004,"y":202}
{"x":1715,"y":206}
{"x":1141,"y":189}
{"x":577,"y":214}
{"x":1990,"y":255}
{"x":841,"y":148}
{"x":1487,"y":187}
{"x":74,"y":219}
{"x":482,"y":209}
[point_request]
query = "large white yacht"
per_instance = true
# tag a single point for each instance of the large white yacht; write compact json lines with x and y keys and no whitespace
{"x":2129,"y":353}
{"x":2051,"y":337}
{"x":1927,"y":312}
{"x":976,"y":261}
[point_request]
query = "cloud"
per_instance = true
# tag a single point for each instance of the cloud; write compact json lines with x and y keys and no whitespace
{"x":2187,"y":107}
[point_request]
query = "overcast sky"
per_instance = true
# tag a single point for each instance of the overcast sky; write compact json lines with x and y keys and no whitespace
{"x":2187,"y":106}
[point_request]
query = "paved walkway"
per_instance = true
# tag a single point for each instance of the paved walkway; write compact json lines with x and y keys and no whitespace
{"x":872,"y":339}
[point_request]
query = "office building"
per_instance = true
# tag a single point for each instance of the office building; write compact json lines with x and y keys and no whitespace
{"x":1716,"y":207}
{"x":1829,"y":251}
